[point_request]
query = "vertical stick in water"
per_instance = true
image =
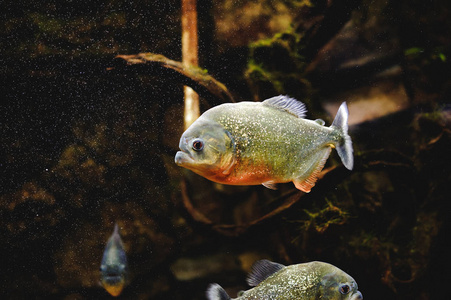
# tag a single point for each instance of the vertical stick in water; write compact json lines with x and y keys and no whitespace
{"x":189,"y":57}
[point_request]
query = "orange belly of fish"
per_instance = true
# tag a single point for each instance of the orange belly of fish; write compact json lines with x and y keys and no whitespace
{"x":248,"y":176}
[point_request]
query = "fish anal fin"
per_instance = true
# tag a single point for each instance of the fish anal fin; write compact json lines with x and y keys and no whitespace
{"x":270,"y":185}
{"x":307,"y":184}
{"x":261,"y":270}
{"x":303,"y":186}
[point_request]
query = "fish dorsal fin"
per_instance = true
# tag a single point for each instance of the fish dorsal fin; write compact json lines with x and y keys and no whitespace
{"x":261,"y":270}
{"x":285,"y":103}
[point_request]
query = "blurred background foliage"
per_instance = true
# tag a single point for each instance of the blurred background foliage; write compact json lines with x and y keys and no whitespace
{"x":87,"y":143}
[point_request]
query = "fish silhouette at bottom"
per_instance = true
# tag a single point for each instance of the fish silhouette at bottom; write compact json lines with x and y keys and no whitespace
{"x":114,"y":266}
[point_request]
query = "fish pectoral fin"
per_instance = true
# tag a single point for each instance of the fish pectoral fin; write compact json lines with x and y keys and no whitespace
{"x":270,"y":185}
{"x":306,"y":184}
{"x":229,"y":169}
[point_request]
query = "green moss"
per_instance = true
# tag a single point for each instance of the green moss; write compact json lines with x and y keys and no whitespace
{"x":199,"y":70}
{"x":258,"y":74}
{"x":322,"y":219}
{"x":434,"y":116}
{"x":275,"y":66}
{"x":427,"y":55}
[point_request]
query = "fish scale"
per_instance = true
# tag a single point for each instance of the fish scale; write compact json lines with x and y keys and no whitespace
{"x":308,"y":281}
{"x":272,"y":135}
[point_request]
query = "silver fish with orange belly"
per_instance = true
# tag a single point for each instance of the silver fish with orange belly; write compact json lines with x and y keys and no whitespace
{"x":269,"y":142}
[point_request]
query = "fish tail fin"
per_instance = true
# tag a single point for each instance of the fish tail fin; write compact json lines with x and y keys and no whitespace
{"x":216,"y":292}
{"x":344,"y":147}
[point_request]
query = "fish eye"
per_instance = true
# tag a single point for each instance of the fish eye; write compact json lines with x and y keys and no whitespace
{"x":198,"y":145}
{"x":344,"y":289}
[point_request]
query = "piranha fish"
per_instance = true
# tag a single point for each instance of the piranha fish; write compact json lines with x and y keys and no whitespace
{"x":308,"y":281}
{"x":269,"y":142}
{"x":114,"y":266}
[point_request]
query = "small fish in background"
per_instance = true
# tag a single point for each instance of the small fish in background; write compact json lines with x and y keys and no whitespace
{"x":114,"y":266}
{"x":269,"y":142}
{"x":308,"y":281}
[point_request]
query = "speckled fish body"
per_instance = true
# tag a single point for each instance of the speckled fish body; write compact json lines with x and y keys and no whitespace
{"x":307,"y":281}
{"x":114,"y":266}
{"x":250,"y":143}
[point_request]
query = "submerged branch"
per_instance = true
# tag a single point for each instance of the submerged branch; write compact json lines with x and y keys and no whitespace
{"x":327,"y":180}
{"x":171,"y":70}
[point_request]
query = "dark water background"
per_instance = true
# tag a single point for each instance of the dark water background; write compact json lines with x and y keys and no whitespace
{"x":84,"y":146}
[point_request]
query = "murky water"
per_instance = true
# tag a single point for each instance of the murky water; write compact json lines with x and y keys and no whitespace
{"x":87,"y":143}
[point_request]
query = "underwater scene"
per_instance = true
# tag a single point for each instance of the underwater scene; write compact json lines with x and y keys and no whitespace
{"x":229,"y":149}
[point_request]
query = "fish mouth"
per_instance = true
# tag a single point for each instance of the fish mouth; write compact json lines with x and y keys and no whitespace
{"x":113,"y":279}
{"x":357,"y":296}
{"x":183,"y":158}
